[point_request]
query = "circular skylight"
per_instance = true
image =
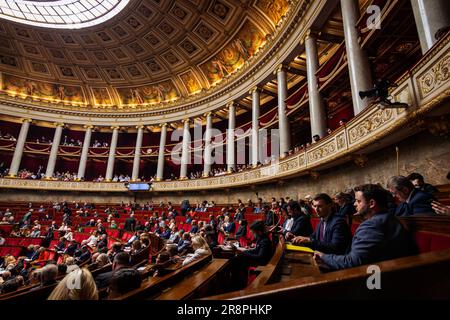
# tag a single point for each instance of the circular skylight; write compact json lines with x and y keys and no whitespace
{"x":64,"y":14}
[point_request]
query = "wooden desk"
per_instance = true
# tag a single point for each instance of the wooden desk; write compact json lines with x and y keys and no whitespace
{"x":192,"y":284}
{"x":297,"y":265}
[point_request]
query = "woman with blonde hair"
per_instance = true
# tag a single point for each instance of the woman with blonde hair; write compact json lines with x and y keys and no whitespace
{"x":77,"y":285}
{"x":201,"y":249}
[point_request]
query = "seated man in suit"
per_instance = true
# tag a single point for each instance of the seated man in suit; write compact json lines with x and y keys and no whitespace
{"x":121,"y":261}
{"x":257,"y":256}
{"x":71,"y":248}
{"x":84,"y":256}
{"x":332,"y":234}
{"x":346,"y":209}
{"x":123,"y":281}
{"x":301,"y":225}
{"x":412,"y":201}
{"x":419,"y":183}
{"x":379,"y":237}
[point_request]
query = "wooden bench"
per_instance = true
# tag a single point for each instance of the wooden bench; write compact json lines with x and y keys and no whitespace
{"x":154,"y":285}
{"x":32,"y":294}
{"x":198,"y":284}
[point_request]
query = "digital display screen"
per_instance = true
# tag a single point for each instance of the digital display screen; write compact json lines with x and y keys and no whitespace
{"x":138,"y":186}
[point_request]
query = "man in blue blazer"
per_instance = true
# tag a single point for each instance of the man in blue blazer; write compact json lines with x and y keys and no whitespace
{"x":412,"y":200}
{"x":332,"y":234}
{"x":301,"y":225}
{"x":380,"y":237}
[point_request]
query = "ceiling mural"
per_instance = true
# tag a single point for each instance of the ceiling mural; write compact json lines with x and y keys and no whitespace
{"x":150,"y":52}
{"x":149,"y":94}
{"x":243,"y":46}
{"x":41,"y":90}
{"x":274,"y":9}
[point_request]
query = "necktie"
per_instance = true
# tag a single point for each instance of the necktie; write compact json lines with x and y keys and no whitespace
{"x":322,"y":231}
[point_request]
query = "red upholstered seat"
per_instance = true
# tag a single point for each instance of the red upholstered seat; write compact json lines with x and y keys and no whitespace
{"x":89,"y":229}
{"x":126,"y":236}
{"x":78,"y":236}
{"x":354,"y":226}
{"x":423,"y":241}
{"x":53,"y":243}
{"x":22,"y":241}
{"x":251,"y":275}
{"x":6,"y":228}
{"x":429,"y":241}
{"x":110,"y":242}
{"x":220,"y":238}
{"x":115,"y":233}
{"x":440,"y":242}
{"x":315,"y":222}
{"x":180,"y":219}
{"x":12,"y":250}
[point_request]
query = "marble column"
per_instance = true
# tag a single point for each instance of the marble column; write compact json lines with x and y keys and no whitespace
{"x":112,"y":154}
{"x":137,"y":153}
{"x":54,"y":151}
{"x":231,"y":157}
{"x":256,"y":96}
{"x":84,"y":152}
{"x":185,"y":154}
{"x":358,"y":63}
{"x":283,"y":121}
{"x":207,"y":156}
{"x":430,"y":17}
{"x":162,"y":146}
{"x":18,"y":150}
{"x":317,"y":111}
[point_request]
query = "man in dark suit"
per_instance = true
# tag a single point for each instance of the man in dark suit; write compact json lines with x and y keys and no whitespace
{"x":419,"y":183}
{"x":332,"y":234}
{"x":346,"y":209}
{"x":301,"y":225}
{"x":379,"y":237}
{"x":130,"y":223}
{"x":412,"y":201}
{"x":271,"y":217}
{"x":84,"y":256}
{"x":121,"y":261}
{"x":184,"y":207}
{"x":71,"y":248}
{"x":240,"y":213}
{"x":257,"y":256}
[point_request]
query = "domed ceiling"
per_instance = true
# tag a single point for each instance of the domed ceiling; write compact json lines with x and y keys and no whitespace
{"x":149,"y":53}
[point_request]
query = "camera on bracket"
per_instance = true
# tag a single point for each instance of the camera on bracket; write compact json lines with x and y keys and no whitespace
{"x":380,"y":91}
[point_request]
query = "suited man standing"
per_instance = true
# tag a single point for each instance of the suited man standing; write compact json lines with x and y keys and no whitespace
{"x":412,"y":200}
{"x":240,"y":213}
{"x":332,"y":234}
{"x":379,"y":237}
{"x":301,"y":226}
{"x":130,"y":223}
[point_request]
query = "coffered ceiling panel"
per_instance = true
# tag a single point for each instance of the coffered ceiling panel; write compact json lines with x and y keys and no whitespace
{"x":152,"y":51}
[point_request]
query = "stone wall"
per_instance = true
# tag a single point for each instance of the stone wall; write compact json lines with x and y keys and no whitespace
{"x":422,"y":153}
